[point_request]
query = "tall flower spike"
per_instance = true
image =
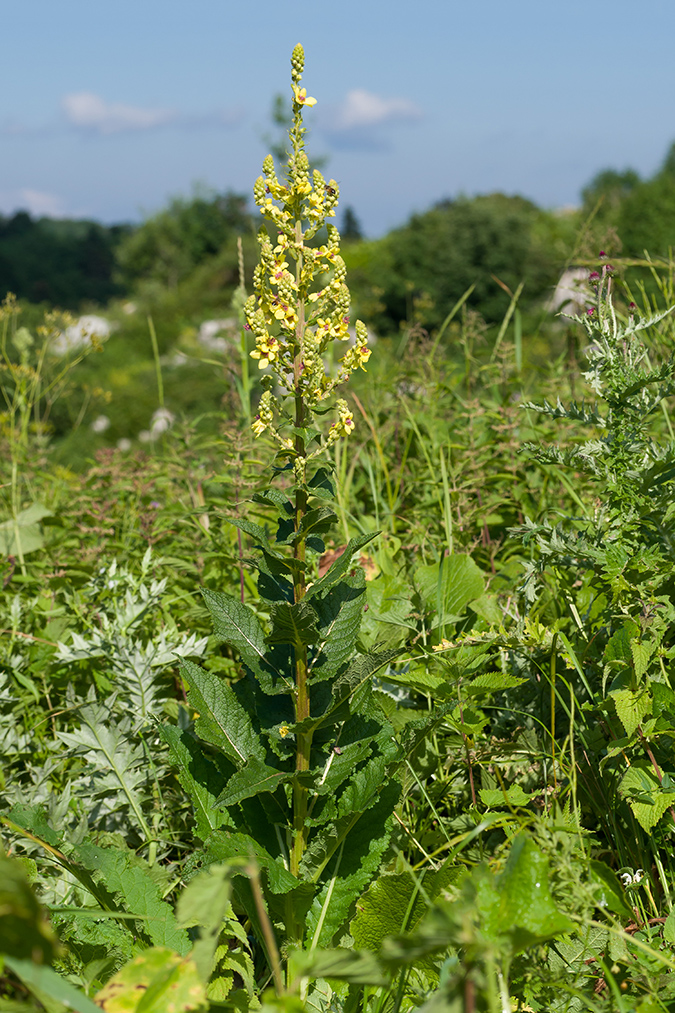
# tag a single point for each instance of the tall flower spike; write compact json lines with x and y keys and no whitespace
{"x":301,"y":300}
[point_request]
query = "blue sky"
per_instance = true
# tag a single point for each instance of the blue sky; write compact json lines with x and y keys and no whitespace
{"x":108,"y":109}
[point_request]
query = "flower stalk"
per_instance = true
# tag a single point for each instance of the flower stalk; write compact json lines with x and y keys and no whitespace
{"x":299,"y":307}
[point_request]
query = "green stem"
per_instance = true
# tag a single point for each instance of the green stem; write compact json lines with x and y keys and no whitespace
{"x":302,"y":702}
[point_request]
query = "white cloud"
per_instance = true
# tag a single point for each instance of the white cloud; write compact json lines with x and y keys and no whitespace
{"x":363,"y":108}
{"x":40,"y":203}
{"x":90,"y":112}
{"x":36,"y":202}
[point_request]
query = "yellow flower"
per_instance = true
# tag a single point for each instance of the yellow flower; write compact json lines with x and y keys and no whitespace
{"x":258,"y":426}
{"x":266,"y":352}
{"x":283,"y":731}
{"x":302,"y":98}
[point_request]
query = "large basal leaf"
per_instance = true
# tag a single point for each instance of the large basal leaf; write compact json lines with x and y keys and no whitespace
{"x":355,"y":862}
{"x":340,"y":566}
{"x":138,"y":892}
{"x":339,"y":613}
{"x":156,"y":981}
{"x":519,"y":903}
{"x":199,"y":777}
{"x":222,"y":720}
{"x":396,"y":903}
{"x":448,"y":587}
{"x":254,"y":778}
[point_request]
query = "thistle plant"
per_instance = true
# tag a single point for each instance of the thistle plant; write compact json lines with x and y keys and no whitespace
{"x":292,"y":766}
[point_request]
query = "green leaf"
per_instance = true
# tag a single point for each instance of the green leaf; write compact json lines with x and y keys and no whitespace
{"x":254,"y":778}
{"x":138,"y":891}
{"x":339,"y":611}
{"x":156,"y":981}
{"x":198,"y":776}
{"x":25,"y":533}
{"x":496,"y":798}
{"x":239,"y":627}
{"x":293,"y":624}
{"x":492,"y":682}
{"x":669,"y":927}
{"x":362,"y":845}
{"x":340,"y":566}
{"x":256,"y":531}
{"x":448,"y":587}
{"x":642,"y":790}
{"x":631,"y":707}
{"x":223,"y":845}
{"x":396,"y":903}
{"x":54,"y":992}
{"x":612,"y":895}
{"x":222,"y":720}
{"x":522,"y":906}
{"x":25,"y":932}
{"x":356,"y":967}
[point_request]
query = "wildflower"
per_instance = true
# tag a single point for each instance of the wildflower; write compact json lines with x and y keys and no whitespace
{"x":594,"y":276}
{"x":266,"y":352}
{"x":302,"y":98}
{"x":444,"y":645}
{"x":283,"y":730}
{"x":590,"y":311}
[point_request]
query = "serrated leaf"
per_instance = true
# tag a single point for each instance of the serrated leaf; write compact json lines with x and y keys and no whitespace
{"x":355,"y":862}
{"x":223,"y":845}
{"x":140,"y":894}
{"x":492,"y":682}
{"x":222,"y":720}
{"x":520,"y":903}
{"x":339,"y":611}
{"x":642,"y":790}
{"x":340,"y":566}
{"x":198,"y":776}
{"x":293,"y":624}
{"x":642,"y":653}
{"x":239,"y":627}
{"x":256,"y":531}
{"x":254,"y":778}
{"x":396,"y":903}
{"x":631,"y":707}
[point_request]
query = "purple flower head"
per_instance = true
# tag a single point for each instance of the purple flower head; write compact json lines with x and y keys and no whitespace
{"x":155,"y":505}
{"x":247,"y":327}
{"x":594,"y":276}
{"x":590,"y":310}
{"x":632,"y":306}
{"x":608,"y":269}
{"x":602,"y":253}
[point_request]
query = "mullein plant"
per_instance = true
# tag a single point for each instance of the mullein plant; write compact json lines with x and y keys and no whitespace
{"x":292,"y":768}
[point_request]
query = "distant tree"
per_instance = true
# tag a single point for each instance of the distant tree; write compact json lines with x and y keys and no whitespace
{"x":60,"y":261}
{"x":439,"y":254}
{"x":606,"y":192}
{"x":169,"y":245}
{"x":351,"y":227}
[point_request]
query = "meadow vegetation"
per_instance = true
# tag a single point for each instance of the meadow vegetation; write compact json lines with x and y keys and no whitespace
{"x":347,"y":687}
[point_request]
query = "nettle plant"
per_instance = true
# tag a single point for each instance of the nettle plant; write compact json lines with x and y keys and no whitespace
{"x":290,"y":768}
{"x":611,"y":566}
